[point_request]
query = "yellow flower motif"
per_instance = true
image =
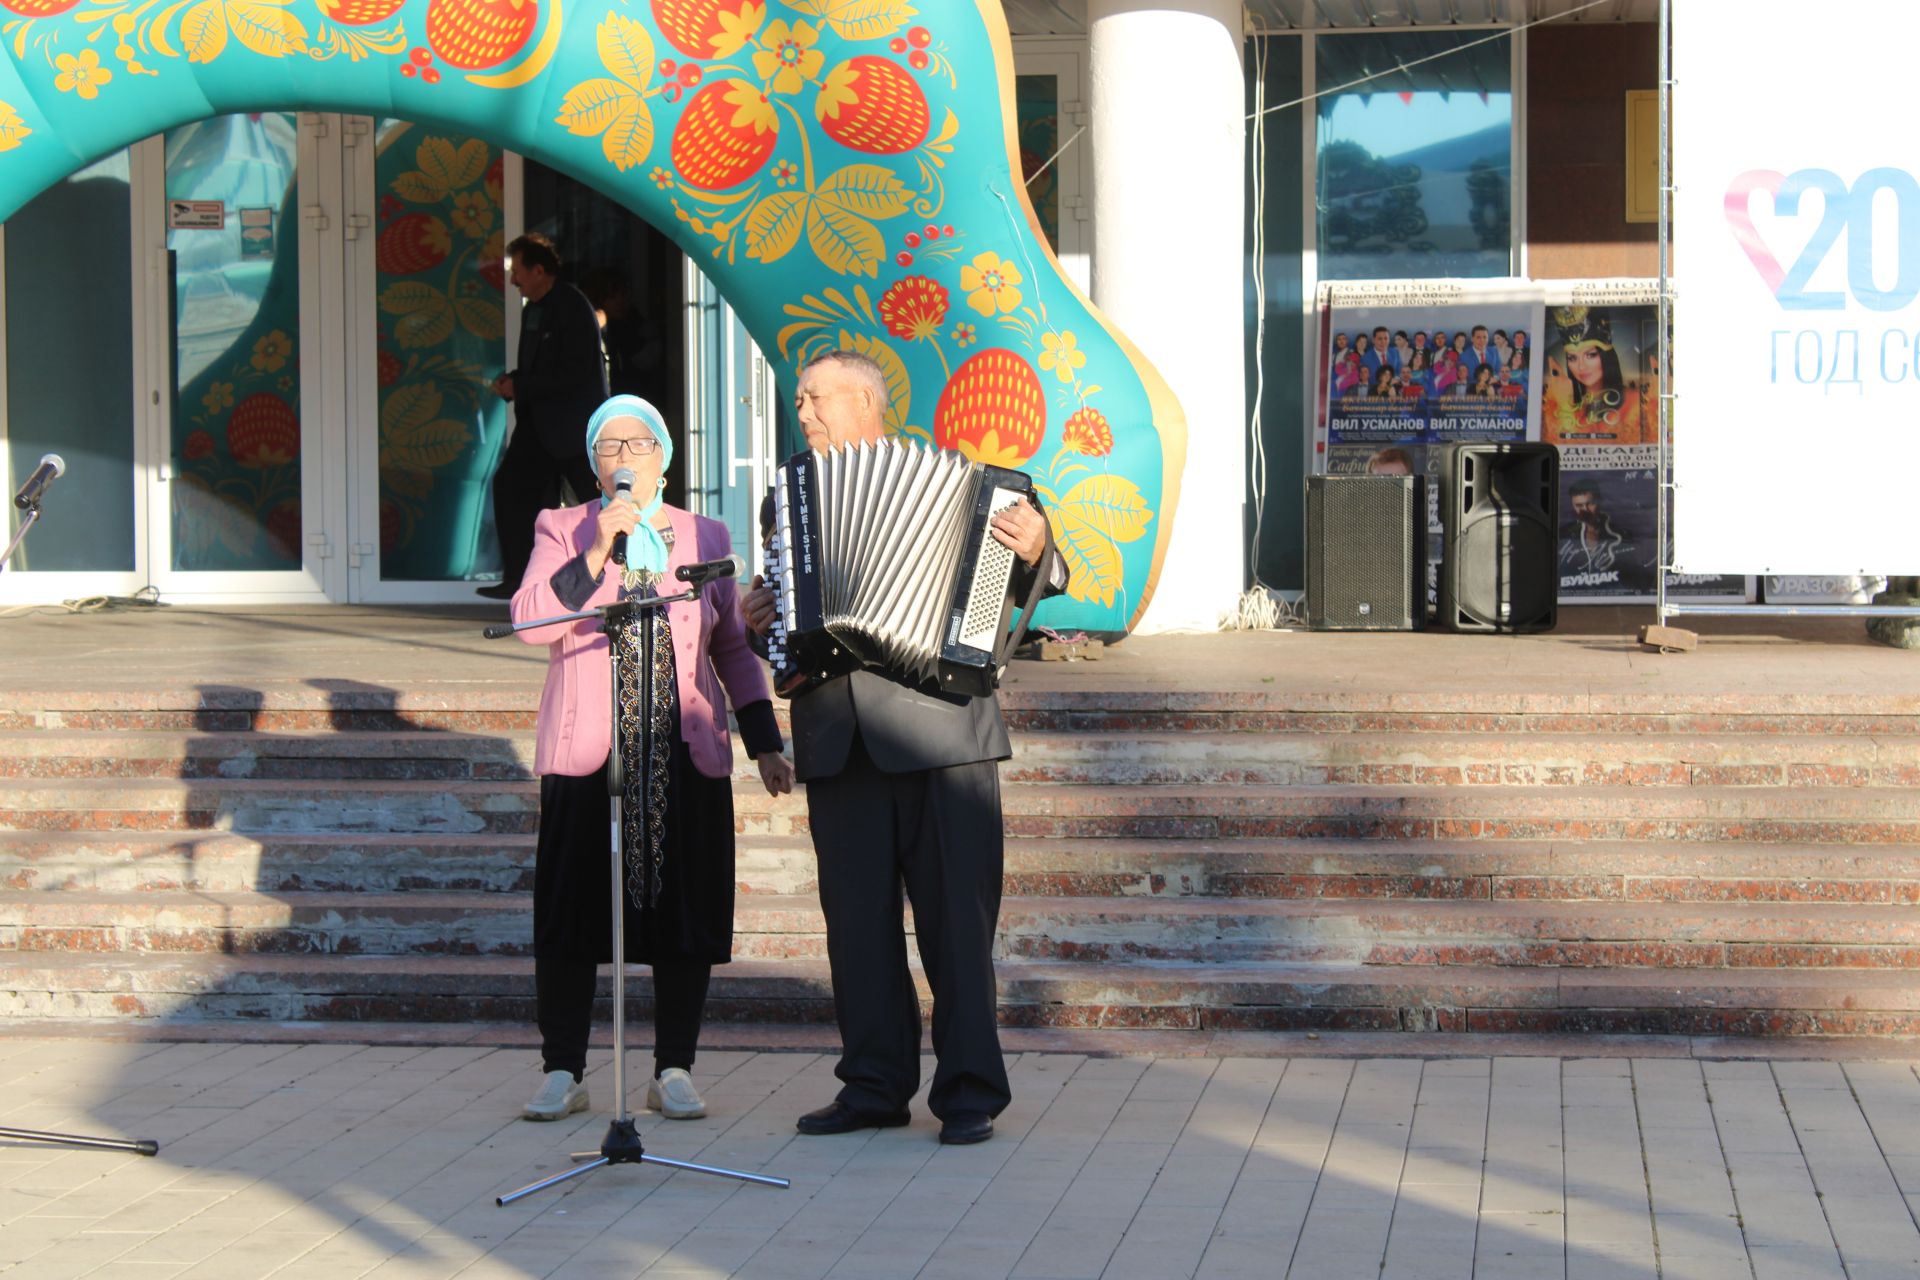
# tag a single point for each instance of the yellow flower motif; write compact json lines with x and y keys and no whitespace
{"x":989,"y":284}
{"x":989,"y":451}
{"x":965,"y":334}
{"x":472,"y":213}
{"x":272,"y":351}
{"x":13,"y":130}
{"x":219,"y":396}
{"x":736,"y":29}
{"x":1062,"y":355}
{"x":81,"y":73}
{"x":786,"y":173}
{"x":662,"y":178}
{"x":788,"y":57}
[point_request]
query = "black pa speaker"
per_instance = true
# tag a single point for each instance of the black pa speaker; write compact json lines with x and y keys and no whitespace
{"x":1366,"y":553}
{"x":1499,"y":518}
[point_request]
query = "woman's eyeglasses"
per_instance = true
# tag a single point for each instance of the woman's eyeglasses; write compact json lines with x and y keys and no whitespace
{"x":639,"y":448}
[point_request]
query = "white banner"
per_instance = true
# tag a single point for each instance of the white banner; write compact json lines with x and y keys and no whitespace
{"x":1796,"y":356}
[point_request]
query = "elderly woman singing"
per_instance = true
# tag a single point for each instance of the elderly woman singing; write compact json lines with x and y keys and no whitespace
{"x":678,"y":840}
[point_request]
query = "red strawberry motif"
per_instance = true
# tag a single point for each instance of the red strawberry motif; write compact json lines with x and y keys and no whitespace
{"x":873,"y":105}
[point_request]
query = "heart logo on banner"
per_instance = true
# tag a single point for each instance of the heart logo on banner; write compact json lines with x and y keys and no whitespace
{"x":1740,"y":217}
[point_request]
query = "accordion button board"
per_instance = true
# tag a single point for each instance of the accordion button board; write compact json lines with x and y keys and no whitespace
{"x":882,"y":558}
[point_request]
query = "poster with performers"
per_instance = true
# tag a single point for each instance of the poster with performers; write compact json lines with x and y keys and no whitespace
{"x":1599,"y":403}
{"x":1425,"y":362}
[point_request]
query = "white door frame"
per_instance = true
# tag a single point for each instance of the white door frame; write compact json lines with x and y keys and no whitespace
{"x":321,"y":506}
{"x":34,"y":587}
{"x":1065,"y":59}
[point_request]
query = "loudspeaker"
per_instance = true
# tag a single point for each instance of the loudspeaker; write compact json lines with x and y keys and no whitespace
{"x":1366,"y":553}
{"x":1499,"y":520}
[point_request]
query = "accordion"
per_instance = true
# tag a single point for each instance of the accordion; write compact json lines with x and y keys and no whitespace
{"x":882,"y":557}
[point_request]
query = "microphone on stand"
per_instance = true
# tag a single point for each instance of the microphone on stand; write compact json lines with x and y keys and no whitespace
{"x":706,"y":571}
{"x":622,"y":492}
{"x":52,"y":467}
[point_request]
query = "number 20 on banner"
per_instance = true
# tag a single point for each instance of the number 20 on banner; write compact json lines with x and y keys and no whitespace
{"x":1843,"y":211}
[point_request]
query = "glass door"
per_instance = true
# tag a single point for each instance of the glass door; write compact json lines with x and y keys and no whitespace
{"x":426,"y":279}
{"x":731,"y":445}
{"x":67,"y":363}
{"x":240,"y":504}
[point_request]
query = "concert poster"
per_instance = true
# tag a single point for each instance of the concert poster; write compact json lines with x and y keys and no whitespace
{"x":1408,"y":363}
{"x":1600,"y":404}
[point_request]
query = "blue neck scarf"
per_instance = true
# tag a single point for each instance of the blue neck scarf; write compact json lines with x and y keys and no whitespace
{"x":646,"y":549}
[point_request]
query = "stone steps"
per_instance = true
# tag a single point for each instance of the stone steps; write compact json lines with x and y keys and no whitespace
{"x":1358,"y":931}
{"x":229,"y":862}
{"x":1725,"y":865}
{"x":1143,"y":759}
{"x":1763,"y":815}
{"x":1194,"y":996}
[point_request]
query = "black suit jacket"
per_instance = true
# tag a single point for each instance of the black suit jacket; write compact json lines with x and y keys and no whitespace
{"x":562,"y":375}
{"x":907,"y":729}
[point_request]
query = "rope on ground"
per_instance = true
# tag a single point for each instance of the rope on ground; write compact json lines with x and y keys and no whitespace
{"x":1261,"y":610}
{"x":144,"y":598}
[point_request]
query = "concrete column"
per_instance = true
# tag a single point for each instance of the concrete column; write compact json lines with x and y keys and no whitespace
{"x":1168,"y":134}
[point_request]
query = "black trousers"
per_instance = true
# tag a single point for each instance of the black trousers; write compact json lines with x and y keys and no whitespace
{"x":527,"y":482}
{"x":564,"y":988}
{"x":938,"y":832}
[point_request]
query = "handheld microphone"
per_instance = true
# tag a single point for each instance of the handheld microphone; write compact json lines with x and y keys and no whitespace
{"x":706,"y":571}
{"x":622,"y":492}
{"x":52,"y":467}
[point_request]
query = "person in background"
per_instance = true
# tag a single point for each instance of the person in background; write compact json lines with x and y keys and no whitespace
{"x":561,"y":378}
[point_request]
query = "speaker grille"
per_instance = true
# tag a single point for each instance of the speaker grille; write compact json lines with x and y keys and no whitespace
{"x":1364,"y":539}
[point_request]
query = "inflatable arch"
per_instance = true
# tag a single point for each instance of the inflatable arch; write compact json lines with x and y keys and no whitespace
{"x":844,"y":170}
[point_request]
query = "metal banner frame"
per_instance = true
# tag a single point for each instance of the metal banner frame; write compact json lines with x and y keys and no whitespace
{"x":1665,"y":607}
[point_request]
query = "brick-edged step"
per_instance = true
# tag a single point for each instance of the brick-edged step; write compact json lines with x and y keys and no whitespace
{"x":1440,"y":759}
{"x":318,"y":754}
{"x":1465,"y":932}
{"x":226,"y":862}
{"x":268,"y":805}
{"x":351,"y":923}
{"x":188,"y":988}
{"x":1309,"y":868}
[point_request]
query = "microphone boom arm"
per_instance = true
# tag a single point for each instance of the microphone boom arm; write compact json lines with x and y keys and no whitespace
{"x":500,"y":629}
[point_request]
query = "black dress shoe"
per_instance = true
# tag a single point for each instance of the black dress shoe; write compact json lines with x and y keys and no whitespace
{"x":963,"y":1128}
{"x":838,"y":1117}
{"x":496,"y":591}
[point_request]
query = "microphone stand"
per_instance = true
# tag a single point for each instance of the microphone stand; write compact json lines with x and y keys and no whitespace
{"x":622,"y":1144}
{"x":19,"y":536}
{"x":138,"y":1146}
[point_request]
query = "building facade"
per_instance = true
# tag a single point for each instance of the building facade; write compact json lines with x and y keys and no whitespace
{"x":253,"y":416}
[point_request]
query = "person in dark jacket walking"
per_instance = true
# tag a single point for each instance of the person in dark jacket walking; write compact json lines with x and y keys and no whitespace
{"x":561,"y":378}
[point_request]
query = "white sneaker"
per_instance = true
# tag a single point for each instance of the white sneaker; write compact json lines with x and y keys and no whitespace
{"x":672,"y":1094}
{"x":559,"y":1095}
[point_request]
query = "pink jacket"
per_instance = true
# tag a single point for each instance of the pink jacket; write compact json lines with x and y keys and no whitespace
{"x":575,"y":732}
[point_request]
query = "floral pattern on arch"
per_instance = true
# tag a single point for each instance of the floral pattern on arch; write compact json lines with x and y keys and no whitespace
{"x":842,"y":169}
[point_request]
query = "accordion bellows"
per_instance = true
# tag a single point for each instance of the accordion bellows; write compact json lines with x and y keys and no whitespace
{"x":882,"y":558}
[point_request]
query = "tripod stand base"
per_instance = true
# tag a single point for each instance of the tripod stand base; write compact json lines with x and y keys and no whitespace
{"x":622,"y":1145}
{"x":138,"y":1146}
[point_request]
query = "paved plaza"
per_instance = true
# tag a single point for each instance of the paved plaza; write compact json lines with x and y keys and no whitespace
{"x":315,"y":1161}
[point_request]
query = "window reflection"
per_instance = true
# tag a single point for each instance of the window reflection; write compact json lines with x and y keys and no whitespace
{"x":1415,"y":166}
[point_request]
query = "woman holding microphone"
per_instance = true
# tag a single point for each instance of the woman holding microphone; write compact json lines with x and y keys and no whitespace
{"x":679,"y":877}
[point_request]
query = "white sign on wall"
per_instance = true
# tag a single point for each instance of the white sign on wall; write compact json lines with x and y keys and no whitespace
{"x":1796,"y":356}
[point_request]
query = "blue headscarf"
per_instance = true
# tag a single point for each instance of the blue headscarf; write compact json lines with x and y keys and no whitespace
{"x":646,"y":549}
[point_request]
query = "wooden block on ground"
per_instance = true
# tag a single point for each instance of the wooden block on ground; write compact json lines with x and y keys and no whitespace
{"x":1669,"y":639}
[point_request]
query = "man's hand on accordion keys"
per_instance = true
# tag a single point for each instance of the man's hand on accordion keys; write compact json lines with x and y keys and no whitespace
{"x":757,"y":605}
{"x":1022,"y":527}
